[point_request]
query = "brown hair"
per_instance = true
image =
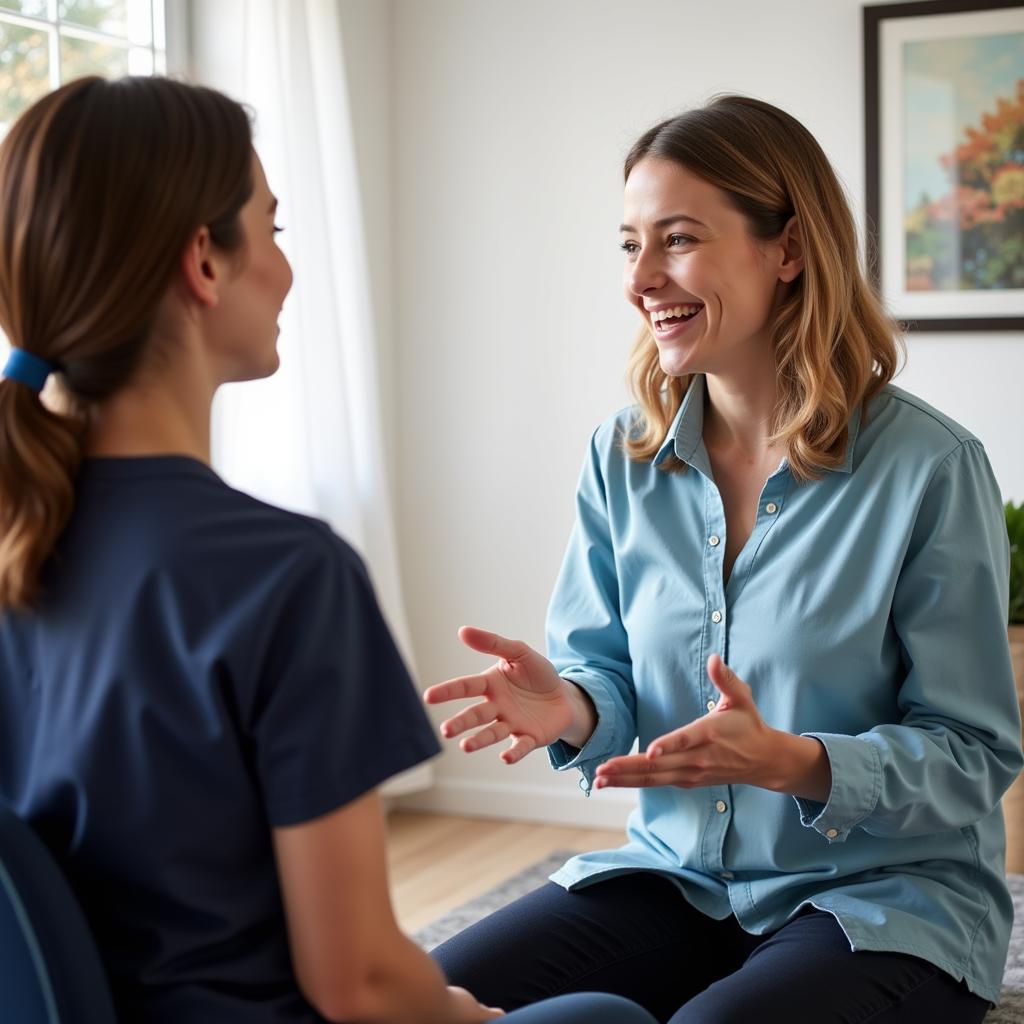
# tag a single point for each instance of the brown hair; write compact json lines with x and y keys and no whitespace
{"x":101,"y":186}
{"x":835,"y":346}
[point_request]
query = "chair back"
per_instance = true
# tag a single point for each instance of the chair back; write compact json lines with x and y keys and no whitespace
{"x":50,"y":969}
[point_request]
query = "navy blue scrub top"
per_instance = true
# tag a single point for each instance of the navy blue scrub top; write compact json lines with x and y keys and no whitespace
{"x":202,"y":667}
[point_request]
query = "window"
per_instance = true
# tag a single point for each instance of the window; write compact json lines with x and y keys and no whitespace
{"x":46,"y":42}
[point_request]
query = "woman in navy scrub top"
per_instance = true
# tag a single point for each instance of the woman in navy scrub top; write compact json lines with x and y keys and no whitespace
{"x":788,"y":581}
{"x":198,"y":693}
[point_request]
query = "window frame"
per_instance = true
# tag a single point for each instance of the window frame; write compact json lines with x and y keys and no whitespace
{"x":55,"y":26}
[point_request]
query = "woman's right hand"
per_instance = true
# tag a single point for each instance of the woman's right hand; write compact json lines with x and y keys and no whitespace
{"x":467,"y":1010}
{"x":523,"y":697}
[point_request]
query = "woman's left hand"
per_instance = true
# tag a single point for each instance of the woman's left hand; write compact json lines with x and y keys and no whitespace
{"x":731,"y":744}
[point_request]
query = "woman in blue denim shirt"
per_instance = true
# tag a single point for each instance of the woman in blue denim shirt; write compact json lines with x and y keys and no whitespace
{"x":788,"y":581}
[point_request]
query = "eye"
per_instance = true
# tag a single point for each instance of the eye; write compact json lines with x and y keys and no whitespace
{"x":630,"y":248}
{"x":681,"y":239}
{"x":278,"y":229}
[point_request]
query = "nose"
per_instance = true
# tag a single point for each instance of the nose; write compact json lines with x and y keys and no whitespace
{"x":288,"y":276}
{"x":646,"y":274}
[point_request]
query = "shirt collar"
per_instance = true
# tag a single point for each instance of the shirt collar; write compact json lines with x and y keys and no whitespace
{"x":851,"y":440}
{"x":685,"y":435}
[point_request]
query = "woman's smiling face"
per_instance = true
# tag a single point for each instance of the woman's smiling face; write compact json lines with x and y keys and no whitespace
{"x":704,"y":285}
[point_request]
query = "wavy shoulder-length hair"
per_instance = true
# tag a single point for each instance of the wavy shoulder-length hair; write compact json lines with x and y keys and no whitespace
{"x":835,"y":346}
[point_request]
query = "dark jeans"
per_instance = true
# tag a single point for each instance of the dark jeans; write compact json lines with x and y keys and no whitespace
{"x":636,"y":936}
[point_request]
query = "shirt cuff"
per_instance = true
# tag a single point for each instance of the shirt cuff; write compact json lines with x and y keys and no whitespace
{"x":856,"y":785}
{"x":604,"y":741}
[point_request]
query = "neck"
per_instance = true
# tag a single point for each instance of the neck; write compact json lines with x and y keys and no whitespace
{"x":163,"y":410}
{"x":739,"y":408}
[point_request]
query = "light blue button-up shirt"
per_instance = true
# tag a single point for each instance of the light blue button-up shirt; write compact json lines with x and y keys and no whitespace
{"x":868,"y":609}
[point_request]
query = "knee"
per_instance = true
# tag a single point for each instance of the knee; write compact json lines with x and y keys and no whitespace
{"x":592,"y":1007}
{"x":707,"y":1011}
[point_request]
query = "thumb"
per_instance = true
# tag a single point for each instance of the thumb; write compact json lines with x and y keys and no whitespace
{"x":485,"y":642}
{"x":733,"y":689}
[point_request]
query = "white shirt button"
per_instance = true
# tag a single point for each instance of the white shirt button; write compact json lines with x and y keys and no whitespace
{"x":726,"y":875}
{"x":714,"y":540}
{"x":720,"y":806}
{"x":716,"y":616}
{"x":771,"y":508}
{"x":711,"y":705}
{"x":832,"y":833}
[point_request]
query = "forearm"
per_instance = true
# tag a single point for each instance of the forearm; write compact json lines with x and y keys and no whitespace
{"x":402,"y":985}
{"x":351,"y":960}
{"x":910,"y":780}
{"x":584,"y":716}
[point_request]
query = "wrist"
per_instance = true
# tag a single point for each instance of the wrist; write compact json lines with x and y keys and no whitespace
{"x":584,"y":715}
{"x":798,"y":766}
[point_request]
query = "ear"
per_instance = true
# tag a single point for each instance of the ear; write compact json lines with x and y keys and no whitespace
{"x":792,"y":256}
{"x":202,"y":270}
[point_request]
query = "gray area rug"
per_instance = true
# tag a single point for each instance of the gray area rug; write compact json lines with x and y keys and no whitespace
{"x":469,"y":913}
{"x":1009,"y":1011}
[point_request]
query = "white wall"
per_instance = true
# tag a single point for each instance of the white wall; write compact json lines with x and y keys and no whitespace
{"x":509,"y":122}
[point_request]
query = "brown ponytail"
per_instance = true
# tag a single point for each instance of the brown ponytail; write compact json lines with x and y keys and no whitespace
{"x":101,"y":186}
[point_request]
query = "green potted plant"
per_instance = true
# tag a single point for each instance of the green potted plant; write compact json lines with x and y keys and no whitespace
{"x":1013,"y":801}
{"x":1015,"y":528}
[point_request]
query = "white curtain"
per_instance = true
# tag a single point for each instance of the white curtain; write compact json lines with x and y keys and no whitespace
{"x":310,"y":437}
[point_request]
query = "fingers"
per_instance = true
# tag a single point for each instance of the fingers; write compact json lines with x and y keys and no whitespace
{"x":732,"y":688}
{"x":644,"y":780}
{"x":639,"y":770}
{"x":493,"y":733}
{"x":485,"y":642}
{"x":467,"y":1010}
{"x":673,"y":742}
{"x":637,"y":773}
{"x":478,"y":714}
{"x":456,"y":689}
{"x":518,"y":749}
{"x":638,"y":763}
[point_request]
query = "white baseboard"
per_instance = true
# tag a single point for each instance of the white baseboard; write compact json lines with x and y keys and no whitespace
{"x":550,"y":806}
{"x":411,"y":781}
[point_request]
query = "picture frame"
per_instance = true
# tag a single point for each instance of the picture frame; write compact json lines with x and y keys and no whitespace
{"x":944,"y":148}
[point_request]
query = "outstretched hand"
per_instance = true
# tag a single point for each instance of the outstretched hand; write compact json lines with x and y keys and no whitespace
{"x":730,"y":744}
{"x":522,"y":697}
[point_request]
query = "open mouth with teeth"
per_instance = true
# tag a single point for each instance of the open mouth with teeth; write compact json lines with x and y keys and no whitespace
{"x":665,"y":319}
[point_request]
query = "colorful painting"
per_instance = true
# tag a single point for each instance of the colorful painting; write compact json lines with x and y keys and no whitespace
{"x":944,"y":119}
{"x":964,"y":169}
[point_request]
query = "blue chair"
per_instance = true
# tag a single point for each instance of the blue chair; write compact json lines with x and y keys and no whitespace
{"x":50,"y":970}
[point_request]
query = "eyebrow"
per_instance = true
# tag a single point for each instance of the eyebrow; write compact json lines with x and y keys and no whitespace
{"x":273,"y":206}
{"x":665,"y":221}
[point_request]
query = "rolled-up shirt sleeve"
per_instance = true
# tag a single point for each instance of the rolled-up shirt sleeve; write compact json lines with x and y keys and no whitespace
{"x":586,"y":640}
{"x":948,"y":761}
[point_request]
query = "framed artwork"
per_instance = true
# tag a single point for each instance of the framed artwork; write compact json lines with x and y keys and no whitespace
{"x":944,"y":120}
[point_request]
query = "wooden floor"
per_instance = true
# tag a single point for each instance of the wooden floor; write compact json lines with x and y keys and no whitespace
{"x":439,"y":861}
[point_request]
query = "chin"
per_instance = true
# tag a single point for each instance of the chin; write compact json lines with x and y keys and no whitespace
{"x":675,"y":364}
{"x":270,"y":358}
{"x":256,"y":371}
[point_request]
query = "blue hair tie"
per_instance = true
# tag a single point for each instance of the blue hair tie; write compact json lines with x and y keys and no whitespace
{"x":28,"y":369}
